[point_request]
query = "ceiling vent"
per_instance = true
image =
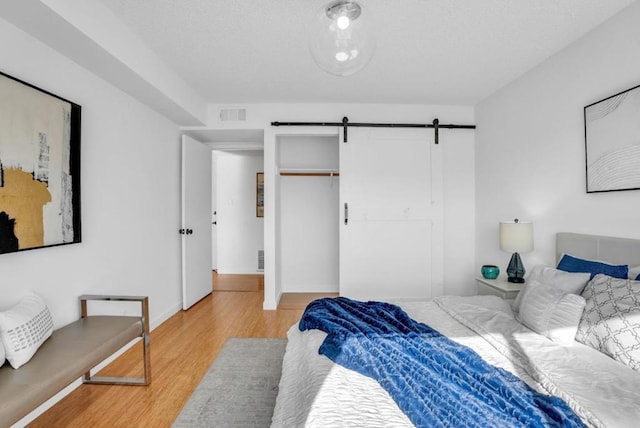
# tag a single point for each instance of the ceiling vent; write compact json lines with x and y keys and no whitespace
{"x":233,"y":114}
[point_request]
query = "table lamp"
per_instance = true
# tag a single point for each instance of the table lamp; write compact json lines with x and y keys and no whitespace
{"x":516,"y":237}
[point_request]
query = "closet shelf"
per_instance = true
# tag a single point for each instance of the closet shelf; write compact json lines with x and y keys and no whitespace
{"x":309,"y":172}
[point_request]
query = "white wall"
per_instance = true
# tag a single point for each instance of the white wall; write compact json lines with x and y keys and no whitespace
{"x":240,"y":232}
{"x":131,"y":192}
{"x":530,"y":160}
{"x":130,"y":195}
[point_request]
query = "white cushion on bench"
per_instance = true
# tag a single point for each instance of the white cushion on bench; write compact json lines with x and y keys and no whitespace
{"x":24,"y":328}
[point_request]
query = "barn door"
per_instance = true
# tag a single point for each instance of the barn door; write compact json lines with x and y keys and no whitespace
{"x":390,"y":229}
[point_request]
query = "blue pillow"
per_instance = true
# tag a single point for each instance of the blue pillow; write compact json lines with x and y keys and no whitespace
{"x":574,"y":264}
{"x":638,"y":277}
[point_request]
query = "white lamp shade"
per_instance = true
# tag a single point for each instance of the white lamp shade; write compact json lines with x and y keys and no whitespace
{"x":516,"y":236}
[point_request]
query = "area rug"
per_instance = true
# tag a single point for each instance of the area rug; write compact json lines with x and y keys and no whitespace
{"x":239,"y":389}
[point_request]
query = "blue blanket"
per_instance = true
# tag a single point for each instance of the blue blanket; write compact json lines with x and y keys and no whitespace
{"x":434,"y":380}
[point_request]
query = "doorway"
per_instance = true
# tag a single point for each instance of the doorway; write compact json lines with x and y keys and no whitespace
{"x":233,"y":194}
{"x":237,"y":229}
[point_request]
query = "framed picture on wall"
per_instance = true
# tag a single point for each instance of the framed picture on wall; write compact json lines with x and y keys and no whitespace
{"x":612,"y":142}
{"x":260,"y":194}
{"x":39,"y":168}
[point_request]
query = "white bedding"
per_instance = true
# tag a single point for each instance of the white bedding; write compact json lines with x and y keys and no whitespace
{"x":315,"y":392}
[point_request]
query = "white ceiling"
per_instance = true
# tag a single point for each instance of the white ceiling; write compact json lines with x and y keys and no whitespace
{"x":428,"y":51}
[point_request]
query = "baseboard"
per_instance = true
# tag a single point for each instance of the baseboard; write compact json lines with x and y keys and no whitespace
{"x":165,"y":315}
{"x":271,"y":305}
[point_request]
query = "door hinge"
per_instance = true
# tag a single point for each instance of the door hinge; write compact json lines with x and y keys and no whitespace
{"x":346,"y":213}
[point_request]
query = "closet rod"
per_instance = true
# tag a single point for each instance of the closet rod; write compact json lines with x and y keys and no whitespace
{"x":436,"y":125}
{"x":310,"y":174}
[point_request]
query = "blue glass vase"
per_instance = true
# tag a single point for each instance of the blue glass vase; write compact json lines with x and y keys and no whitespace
{"x":490,"y":271}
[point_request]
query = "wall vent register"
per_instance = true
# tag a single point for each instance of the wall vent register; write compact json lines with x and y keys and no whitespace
{"x":260,"y":259}
{"x":233,"y":114}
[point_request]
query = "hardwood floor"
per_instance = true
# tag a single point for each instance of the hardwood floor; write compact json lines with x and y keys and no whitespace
{"x":182,"y":349}
{"x":300,"y":300}
{"x":233,"y":282}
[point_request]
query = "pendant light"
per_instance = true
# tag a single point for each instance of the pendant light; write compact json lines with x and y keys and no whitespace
{"x":341,"y":39}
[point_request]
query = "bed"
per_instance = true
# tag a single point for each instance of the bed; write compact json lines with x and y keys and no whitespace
{"x":594,"y":378}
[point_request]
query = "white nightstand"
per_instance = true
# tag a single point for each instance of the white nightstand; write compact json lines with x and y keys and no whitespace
{"x":498,"y":287}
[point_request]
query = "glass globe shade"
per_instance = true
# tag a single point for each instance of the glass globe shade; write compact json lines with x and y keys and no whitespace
{"x":341,"y":39}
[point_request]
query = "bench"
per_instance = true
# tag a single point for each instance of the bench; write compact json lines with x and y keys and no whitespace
{"x":70,"y":353}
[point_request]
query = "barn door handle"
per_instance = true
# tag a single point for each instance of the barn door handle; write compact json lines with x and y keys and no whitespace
{"x":346,"y":213}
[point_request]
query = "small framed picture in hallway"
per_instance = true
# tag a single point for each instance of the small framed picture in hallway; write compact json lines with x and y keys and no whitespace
{"x":260,"y":194}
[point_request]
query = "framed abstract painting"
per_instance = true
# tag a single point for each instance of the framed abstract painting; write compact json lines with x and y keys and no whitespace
{"x":39,"y":168}
{"x":612,"y":142}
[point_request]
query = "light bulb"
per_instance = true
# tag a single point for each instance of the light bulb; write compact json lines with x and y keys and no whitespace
{"x":343,"y":22}
{"x":341,"y":40}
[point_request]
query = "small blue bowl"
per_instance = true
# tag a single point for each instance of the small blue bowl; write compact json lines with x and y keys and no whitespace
{"x":490,"y":271}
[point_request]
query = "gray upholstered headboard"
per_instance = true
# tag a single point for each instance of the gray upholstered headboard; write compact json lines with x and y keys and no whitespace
{"x":603,"y":248}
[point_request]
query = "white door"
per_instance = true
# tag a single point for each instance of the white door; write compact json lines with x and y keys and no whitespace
{"x":214,"y":212}
{"x":388,"y":242}
{"x":196,"y":221}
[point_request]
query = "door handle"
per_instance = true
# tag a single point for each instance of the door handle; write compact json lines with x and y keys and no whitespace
{"x":346,"y":213}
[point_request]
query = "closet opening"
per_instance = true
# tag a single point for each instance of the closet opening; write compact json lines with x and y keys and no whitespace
{"x":307,"y":177}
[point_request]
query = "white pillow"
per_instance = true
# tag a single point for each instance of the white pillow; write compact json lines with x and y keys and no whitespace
{"x":611,"y":319}
{"x":567,"y":282}
{"x":551,"y":312}
{"x":23,"y":328}
{"x":2,"y":358}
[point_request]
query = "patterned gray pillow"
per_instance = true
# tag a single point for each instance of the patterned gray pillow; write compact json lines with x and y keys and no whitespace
{"x":611,"y":319}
